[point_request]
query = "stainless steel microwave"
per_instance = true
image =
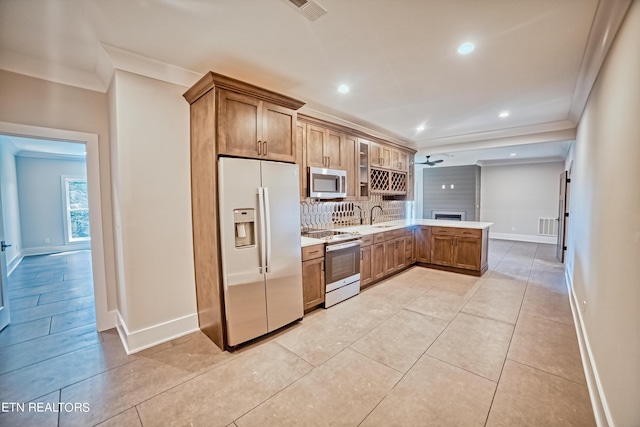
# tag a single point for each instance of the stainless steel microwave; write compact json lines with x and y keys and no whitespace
{"x":327,"y":183}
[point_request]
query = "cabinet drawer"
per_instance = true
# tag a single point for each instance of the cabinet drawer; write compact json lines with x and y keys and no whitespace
{"x":312,"y":252}
{"x":458,"y":232}
{"x":408,"y":231}
{"x":367,"y":240}
{"x":388,"y":235}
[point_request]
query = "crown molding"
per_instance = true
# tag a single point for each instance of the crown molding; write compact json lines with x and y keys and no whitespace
{"x":112,"y":58}
{"x":509,"y":162}
{"x":523,"y":135}
{"x":51,"y":156}
{"x":605,"y":26}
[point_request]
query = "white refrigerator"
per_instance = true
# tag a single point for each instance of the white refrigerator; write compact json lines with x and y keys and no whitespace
{"x":260,"y":246}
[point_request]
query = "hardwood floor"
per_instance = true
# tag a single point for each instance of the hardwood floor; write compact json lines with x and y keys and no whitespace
{"x":425,"y":347}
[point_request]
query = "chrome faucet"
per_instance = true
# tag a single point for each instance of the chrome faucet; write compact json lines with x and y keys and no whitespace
{"x":376,"y":206}
{"x":361,"y":218}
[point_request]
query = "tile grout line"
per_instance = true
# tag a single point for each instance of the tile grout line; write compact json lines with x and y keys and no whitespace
{"x":504,"y":362}
{"x":546,"y":372}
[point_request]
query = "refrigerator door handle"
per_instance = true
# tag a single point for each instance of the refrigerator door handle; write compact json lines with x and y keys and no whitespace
{"x":263,"y":226}
{"x":267,"y":215}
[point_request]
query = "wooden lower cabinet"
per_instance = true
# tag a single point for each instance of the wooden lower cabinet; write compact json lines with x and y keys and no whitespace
{"x":366,"y":266}
{"x":313,"y":289}
{"x":422,"y":248}
{"x":466,"y":253}
{"x":400,"y":253}
{"x":442,"y":250}
{"x":390,"y":263}
{"x":378,"y":264}
{"x":459,"y":248}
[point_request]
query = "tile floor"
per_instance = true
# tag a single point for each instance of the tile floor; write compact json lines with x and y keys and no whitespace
{"x":424,"y":348}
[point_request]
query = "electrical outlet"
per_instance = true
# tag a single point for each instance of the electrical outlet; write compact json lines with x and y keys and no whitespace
{"x":46,"y":240}
{"x":584,"y":306}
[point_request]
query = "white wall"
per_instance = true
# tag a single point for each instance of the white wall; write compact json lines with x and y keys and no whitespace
{"x":604,"y":240}
{"x":10,"y":206}
{"x":41,"y":203}
{"x":513,"y":197}
{"x":152,"y":199}
{"x":35,"y":102}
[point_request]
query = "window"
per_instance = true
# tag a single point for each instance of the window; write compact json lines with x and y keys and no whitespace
{"x":76,"y":209}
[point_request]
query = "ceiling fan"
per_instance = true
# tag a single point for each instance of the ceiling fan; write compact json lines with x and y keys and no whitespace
{"x":430,"y":163}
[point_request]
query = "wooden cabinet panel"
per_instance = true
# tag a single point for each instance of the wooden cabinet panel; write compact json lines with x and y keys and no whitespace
{"x":375,"y":155}
{"x":378,"y":265}
{"x":442,"y":250}
{"x":313,"y":282}
{"x":333,"y":150}
{"x":390,"y":258}
{"x":351,"y":163}
{"x":400,"y":253}
{"x":248,"y":127}
{"x":409,"y":253}
{"x":423,"y":244}
{"x":278,"y":137}
{"x":312,"y":252}
{"x":403,"y":161}
{"x":467,"y":253}
{"x":367,"y":240}
{"x":301,"y":148}
{"x":315,"y":146}
{"x":366,"y":265}
{"x":239,"y":124}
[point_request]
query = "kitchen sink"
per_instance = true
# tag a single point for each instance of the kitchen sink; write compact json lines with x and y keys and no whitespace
{"x":382,"y":226}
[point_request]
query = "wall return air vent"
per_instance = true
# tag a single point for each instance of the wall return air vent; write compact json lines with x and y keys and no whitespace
{"x":309,"y":9}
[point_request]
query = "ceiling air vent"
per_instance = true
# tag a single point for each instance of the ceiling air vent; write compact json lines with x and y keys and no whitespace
{"x":310,"y":9}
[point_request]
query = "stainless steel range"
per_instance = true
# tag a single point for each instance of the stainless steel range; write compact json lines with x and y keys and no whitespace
{"x":342,"y":264}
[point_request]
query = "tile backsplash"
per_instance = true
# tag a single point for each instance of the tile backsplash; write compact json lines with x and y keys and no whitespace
{"x":316,"y":214}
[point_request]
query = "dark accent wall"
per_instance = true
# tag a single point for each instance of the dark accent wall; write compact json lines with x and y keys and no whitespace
{"x":465,"y":196}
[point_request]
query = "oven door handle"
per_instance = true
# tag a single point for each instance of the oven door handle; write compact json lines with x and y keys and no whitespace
{"x":331,"y":248}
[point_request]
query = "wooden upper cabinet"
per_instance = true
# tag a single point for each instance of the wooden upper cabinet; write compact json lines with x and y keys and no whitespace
{"x":327,"y":148}
{"x":301,"y":147}
{"x":316,"y":137}
{"x":334,"y":151}
{"x":351,"y":148}
{"x":239,"y":124}
{"x":403,"y":161}
{"x":379,"y":155}
{"x":278,"y":132}
{"x":250,"y":127}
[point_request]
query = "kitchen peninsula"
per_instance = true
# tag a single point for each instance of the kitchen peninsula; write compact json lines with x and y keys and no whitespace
{"x":390,"y":247}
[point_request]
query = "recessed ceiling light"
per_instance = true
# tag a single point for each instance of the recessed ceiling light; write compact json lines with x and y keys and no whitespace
{"x":503,"y":114}
{"x":421,"y":128}
{"x":512,"y":154}
{"x":343,"y":88}
{"x":466,"y":48}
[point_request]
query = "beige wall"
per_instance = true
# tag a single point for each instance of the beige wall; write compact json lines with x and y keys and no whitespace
{"x":515,"y":196}
{"x":30,"y":101}
{"x":604,"y":240}
{"x":152,"y":197}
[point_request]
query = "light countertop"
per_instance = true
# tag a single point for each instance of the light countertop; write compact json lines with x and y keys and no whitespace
{"x":393,"y":225}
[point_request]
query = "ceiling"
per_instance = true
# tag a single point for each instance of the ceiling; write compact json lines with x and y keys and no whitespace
{"x":398,"y":57}
{"x":22,"y":146}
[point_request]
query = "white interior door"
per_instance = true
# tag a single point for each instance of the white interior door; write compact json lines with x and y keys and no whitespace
{"x":4,"y":297}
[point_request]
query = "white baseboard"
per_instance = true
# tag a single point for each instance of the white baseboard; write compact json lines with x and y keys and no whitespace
{"x":142,"y":339}
{"x":44,"y":250}
{"x":524,"y":238}
{"x":11,"y":265}
{"x":601,"y":410}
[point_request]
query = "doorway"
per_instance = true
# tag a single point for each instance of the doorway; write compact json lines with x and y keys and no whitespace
{"x":104,"y":318}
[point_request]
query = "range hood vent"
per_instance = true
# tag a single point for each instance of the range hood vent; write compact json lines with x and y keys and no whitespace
{"x":309,"y":9}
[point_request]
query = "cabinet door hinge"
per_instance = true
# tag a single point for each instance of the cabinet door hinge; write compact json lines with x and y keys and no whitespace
{"x":564,"y":248}
{"x":566,"y":214}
